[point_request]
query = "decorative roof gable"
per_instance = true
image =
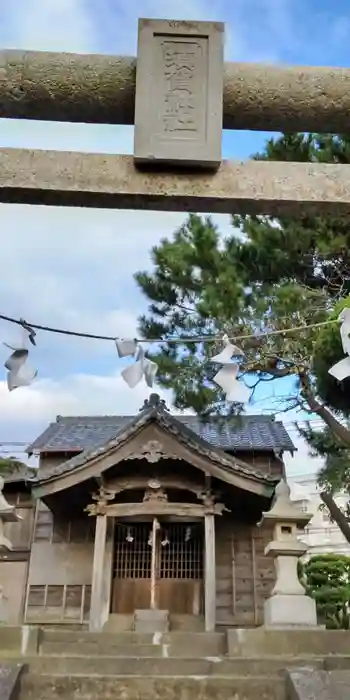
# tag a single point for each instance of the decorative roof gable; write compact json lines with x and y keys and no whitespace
{"x":155,"y":412}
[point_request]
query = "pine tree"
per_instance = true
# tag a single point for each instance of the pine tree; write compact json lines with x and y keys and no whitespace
{"x":268,"y":275}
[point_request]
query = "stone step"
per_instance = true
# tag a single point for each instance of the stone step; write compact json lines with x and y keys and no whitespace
{"x":177,"y":623}
{"x":188,"y":623}
{"x":292,"y":642}
{"x":337,"y":663}
{"x":151,"y":621}
{"x":122,"y":666}
{"x":80,"y":687}
{"x":177,"y":643}
{"x":148,"y":666}
{"x":113,"y":651}
{"x":119,"y":623}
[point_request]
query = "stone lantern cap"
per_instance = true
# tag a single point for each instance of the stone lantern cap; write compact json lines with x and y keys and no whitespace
{"x":284,"y":510}
{"x":7,"y":512}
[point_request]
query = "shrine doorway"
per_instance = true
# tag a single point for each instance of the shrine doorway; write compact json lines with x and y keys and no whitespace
{"x":175,"y":554}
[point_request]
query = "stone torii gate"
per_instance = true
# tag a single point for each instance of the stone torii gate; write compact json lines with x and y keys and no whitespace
{"x":182,"y":91}
{"x":179,"y":94}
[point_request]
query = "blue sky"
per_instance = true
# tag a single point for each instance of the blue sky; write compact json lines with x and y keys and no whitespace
{"x":73,"y":268}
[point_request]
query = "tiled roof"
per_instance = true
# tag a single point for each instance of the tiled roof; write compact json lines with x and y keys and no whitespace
{"x":179,"y":429}
{"x":244,"y":434}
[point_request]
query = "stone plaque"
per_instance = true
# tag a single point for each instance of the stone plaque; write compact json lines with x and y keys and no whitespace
{"x":179,"y":86}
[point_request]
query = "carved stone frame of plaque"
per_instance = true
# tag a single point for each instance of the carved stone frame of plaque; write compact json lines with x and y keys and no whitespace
{"x":179,"y":93}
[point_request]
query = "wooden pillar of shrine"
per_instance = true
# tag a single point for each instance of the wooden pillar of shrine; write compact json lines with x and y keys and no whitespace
{"x":210,"y":573}
{"x":98,"y":573}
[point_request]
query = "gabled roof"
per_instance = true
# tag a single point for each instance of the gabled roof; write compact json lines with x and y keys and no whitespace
{"x":155,"y":411}
{"x":243,"y":434}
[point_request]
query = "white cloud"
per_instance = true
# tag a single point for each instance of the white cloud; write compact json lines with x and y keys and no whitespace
{"x":81,"y":394}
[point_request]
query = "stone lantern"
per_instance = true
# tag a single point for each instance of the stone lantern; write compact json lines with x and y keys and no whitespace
{"x":288,"y":605}
{"x":7,"y":515}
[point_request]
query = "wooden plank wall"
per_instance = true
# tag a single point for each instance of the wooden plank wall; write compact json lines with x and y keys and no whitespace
{"x":244,"y":575}
{"x":59,"y":580}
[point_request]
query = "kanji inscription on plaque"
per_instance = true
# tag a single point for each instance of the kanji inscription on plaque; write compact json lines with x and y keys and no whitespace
{"x":182,"y":96}
{"x":179,"y":81}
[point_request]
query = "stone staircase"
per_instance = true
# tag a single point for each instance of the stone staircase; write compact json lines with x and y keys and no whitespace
{"x":177,"y":665}
{"x":132,"y":666}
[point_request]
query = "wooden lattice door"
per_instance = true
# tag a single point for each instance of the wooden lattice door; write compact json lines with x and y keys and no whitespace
{"x":132,"y":568}
{"x":179,"y":569}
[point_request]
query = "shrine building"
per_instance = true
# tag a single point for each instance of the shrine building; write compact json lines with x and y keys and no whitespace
{"x":151,"y":517}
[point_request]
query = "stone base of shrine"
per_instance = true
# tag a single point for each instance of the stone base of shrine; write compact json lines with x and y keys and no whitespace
{"x":290,"y":610}
{"x":263,"y":642}
{"x":117,"y":623}
{"x":151,"y":621}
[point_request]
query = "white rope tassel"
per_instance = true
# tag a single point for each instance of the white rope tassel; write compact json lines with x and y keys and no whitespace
{"x":19,"y":372}
{"x":341,"y":370}
{"x":143,"y":368}
{"x":126,"y":347}
{"x":226,"y":377}
{"x":225,"y":356}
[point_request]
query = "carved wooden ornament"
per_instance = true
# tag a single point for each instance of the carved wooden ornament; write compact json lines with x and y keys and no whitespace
{"x":101,"y":498}
{"x":155,"y":492}
{"x":152,"y":451}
